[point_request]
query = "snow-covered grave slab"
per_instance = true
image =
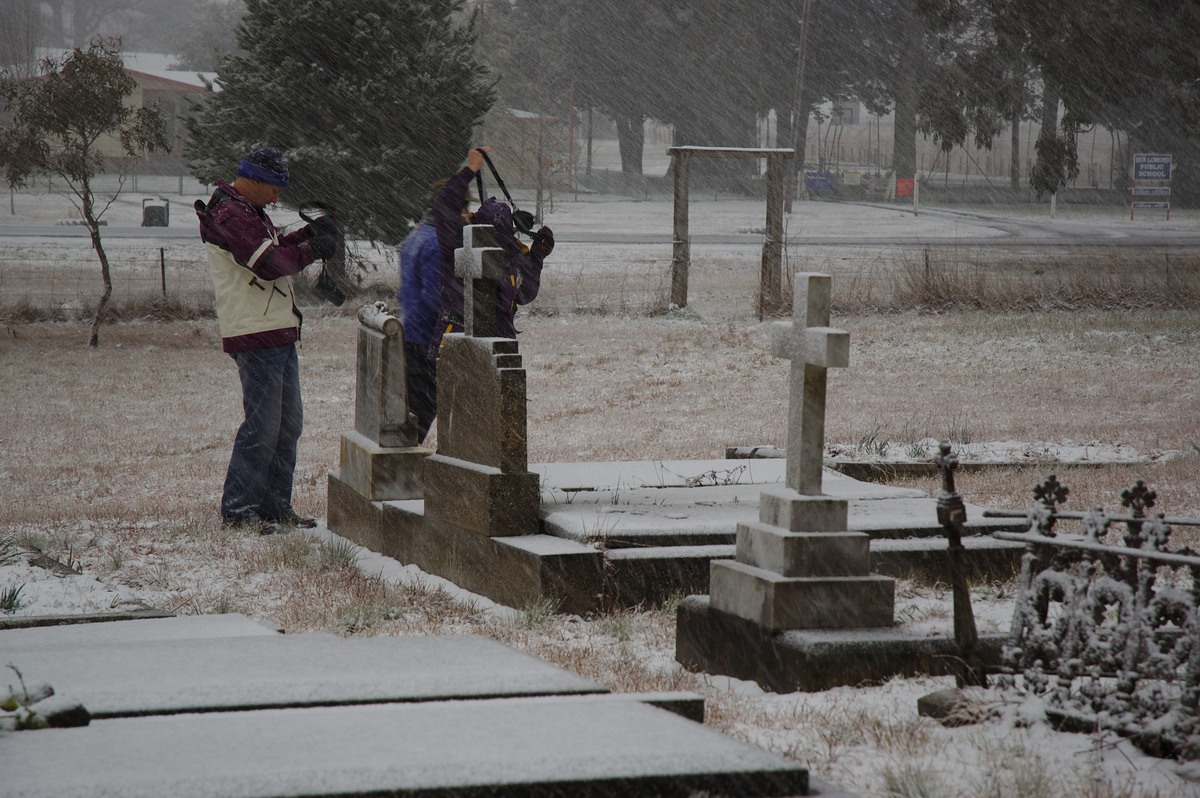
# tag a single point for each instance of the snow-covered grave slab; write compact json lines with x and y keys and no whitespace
{"x":225,"y":706}
{"x":505,"y":747}
{"x":123,"y":677}
{"x":687,"y":503}
{"x":181,"y":627}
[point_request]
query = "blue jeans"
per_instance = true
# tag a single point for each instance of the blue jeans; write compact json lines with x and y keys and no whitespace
{"x":258,"y":484}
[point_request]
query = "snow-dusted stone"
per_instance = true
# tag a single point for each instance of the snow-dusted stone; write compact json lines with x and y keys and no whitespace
{"x":813,"y":347}
{"x":507,"y":748}
{"x":778,"y":602}
{"x":208,"y":674}
{"x":804,"y":554}
{"x":380,"y":459}
{"x":798,"y":512}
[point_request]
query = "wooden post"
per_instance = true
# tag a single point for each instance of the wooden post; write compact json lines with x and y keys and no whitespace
{"x":680,"y":245}
{"x":770,"y":282}
{"x":770,"y":291}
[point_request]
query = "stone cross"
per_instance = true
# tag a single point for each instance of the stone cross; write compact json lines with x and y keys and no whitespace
{"x":481,"y":265}
{"x":813,"y":347}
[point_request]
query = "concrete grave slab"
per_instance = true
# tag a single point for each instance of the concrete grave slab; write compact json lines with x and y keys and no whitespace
{"x":604,"y":502}
{"x":210,"y":674}
{"x":502,"y":748}
{"x":182,"y":627}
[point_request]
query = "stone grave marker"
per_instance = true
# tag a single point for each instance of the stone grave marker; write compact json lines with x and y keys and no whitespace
{"x":224,"y":707}
{"x":481,"y":265}
{"x":799,"y":566}
{"x":380,"y":459}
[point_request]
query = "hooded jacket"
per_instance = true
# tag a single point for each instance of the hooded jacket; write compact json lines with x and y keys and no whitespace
{"x":251,"y":266}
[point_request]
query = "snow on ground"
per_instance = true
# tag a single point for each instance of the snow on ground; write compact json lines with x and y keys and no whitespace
{"x":798,"y":721}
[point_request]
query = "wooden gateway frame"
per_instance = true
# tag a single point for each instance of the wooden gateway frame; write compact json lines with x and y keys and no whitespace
{"x":770,"y":299}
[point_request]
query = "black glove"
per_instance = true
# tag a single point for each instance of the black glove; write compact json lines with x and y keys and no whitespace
{"x":543,"y":243}
{"x":326,"y":236}
{"x":324,"y":243}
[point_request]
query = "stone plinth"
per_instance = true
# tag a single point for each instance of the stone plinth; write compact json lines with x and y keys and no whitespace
{"x":810,"y":660}
{"x":780,"y":602}
{"x":481,"y":498}
{"x":803,"y":554}
{"x":798,"y":512}
{"x":382,"y":473}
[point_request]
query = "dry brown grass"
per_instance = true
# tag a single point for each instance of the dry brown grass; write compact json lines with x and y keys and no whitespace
{"x":113,"y":457}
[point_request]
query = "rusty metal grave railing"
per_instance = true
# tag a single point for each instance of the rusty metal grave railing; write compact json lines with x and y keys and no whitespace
{"x":1107,"y":630}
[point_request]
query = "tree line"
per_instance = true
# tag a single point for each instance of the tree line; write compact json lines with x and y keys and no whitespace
{"x":375,"y":99}
{"x":956,"y":71}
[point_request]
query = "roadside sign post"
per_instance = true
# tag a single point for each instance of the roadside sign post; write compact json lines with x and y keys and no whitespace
{"x":1151,"y":183}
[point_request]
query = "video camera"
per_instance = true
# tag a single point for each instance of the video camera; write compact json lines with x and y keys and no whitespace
{"x":323,"y":218}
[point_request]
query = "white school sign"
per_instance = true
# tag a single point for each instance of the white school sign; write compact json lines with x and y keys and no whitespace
{"x":1150,"y":188}
{"x":1147,"y":166}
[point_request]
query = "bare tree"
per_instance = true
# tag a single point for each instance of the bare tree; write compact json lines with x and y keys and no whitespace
{"x":60,"y":124}
{"x":22,"y":31}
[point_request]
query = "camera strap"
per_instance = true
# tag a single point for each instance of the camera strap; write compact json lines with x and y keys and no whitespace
{"x":495,"y":174}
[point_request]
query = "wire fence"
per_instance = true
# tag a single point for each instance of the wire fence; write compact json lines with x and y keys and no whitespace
{"x":61,"y":276}
{"x":65,"y":274}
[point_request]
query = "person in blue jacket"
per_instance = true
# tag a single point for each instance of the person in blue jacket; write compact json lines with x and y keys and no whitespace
{"x":420,"y":296}
{"x":523,"y":265}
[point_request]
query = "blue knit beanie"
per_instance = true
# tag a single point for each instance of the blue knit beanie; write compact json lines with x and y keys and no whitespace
{"x":266,"y":165}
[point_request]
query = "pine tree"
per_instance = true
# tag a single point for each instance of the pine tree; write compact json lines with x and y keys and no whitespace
{"x":371,"y":100}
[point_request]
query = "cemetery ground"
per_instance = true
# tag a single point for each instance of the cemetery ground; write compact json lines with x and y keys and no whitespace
{"x":111,"y":462}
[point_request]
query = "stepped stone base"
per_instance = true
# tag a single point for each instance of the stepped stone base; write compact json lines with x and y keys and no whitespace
{"x":780,"y":602}
{"x":481,"y":497}
{"x":810,"y":660}
{"x":517,"y":571}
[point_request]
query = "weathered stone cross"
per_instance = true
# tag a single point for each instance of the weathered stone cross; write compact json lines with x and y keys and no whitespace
{"x":481,"y":265}
{"x":813,"y":347}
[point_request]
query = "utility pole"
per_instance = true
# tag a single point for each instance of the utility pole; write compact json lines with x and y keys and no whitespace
{"x":800,"y":113}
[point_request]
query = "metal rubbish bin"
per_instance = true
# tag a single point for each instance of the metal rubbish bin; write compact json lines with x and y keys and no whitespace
{"x":156,"y":212}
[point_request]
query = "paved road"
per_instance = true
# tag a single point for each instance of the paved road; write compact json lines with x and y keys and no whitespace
{"x":1012,"y":232}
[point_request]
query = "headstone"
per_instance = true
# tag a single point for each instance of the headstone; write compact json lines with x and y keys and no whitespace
{"x":381,"y":459}
{"x":380,"y":399}
{"x":482,"y":524}
{"x":799,"y":567}
{"x":813,"y":347}
{"x":481,"y":266}
{"x":471,"y":512}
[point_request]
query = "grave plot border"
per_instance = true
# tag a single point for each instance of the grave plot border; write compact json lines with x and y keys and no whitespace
{"x":1107,"y":630}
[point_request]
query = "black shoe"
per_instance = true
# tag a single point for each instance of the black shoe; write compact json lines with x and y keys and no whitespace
{"x":301,"y":521}
{"x":256,"y":525}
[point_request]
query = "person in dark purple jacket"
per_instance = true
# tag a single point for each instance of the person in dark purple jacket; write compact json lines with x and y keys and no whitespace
{"x":523,"y":266}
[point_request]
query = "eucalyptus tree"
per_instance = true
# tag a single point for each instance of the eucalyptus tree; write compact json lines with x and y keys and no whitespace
{"x":1129,"y":65}
{"x":60,"y":123}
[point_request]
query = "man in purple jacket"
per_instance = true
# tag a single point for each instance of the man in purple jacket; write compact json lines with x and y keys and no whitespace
{"x":251,"y":264}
